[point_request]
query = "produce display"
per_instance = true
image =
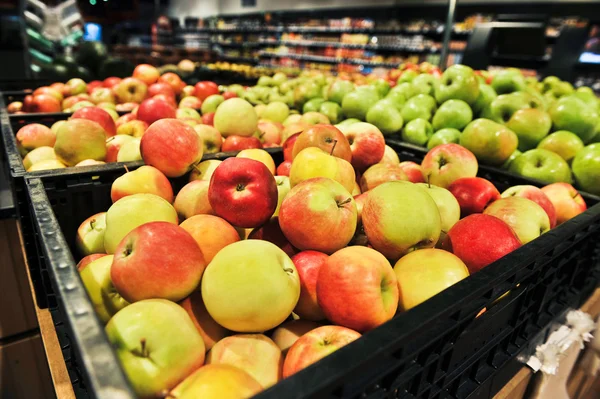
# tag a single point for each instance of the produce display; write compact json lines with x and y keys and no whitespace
{"x":256,"y":269}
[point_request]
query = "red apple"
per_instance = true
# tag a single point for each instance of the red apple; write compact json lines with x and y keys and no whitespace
{"x":161,"y":88}
{"x":166,"y":98}
{"x":114,"y":144}
{"x":134,"y":128}
{"x":243,"y":192}
{"x":238,"y":143}
{"x":173,"y":80}
{"x":367,"y":144}
{"x":381,"y":173}
{"x":87,"y":260}
{"x":204,"y":89}
{"x":413,"y":171}
{"x":60,"y":87}
{"x":270,"y":132}
{"x":308,"y":264}
{"x":28,"y":103}
{"x":473,"y":194}
{"x":130,"y":90}
{"x":157,"y":260}
{"x":208,"y":119}
{"x":45,"y":103}
{"x":357,"y":288}
{"x":192,"y":200}
{"x":271,"y":231}
{"x":479,"y":240}
{"x":315,"y":345}
{"x":208,"y":328}
{"x":99,"y":116}
{"x":50,"y":91}
{"x":34,"y":135}
{"x":127,"y":107}
{"x":153,"y":109}
{"x":171,"y":146}
{"x":229,"y":94}
{"x":93,"y":85}
{"x":326,"y":137}
{"x":124,"y":119}
{"x":145,"y":179}
{"x":146,"y":73}
{"x":191,"y":102}
{"x":536,"y":195}
{"x":567,"y":201}
{"x":448,"y":162}
{"x":111,"y":82}
{"x":284,"y":168}
{"x":288,"y":147}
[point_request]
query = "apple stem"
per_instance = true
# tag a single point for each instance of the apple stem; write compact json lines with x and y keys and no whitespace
{"x":429,"y":180}
{"x":126,"y":168}
{"x":344,"y":202}
{"x":287,"y":270}
{"x":195,"y":166}
{"x":333,"y":148}
{"x":144,"y":349}
{"x":108,"y":140}
{"x":92,"y":223}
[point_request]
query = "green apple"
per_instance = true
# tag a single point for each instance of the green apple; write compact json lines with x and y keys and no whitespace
{"x":382,"y":86}
{"x":90,"y":234}
{"x":236,"y":116}
{"x":157,"y":343}
{"x":534,"y":98}
{"x":78,"y":140}
{"x":484,"y":99}
{"x":444,"y":136}
{"x":312,"y":105}
{"x":424,"y":83}
{"x":406,"y":89}
{"x":558,"y":90}
{"x":527,"y":219}
{"x":96,"y":280}
{"x":407,"y":76}
{"x":508,"y":81}
{"x":586,"y":169}
{"x":305,"y":92}
{"x":39,"y":154}
{"x":549,"y":83}
{"x":452,"y":114}
{"x":333,"y":111}
{"x":357,"y":103}
{"x":347,"y":122}
{"x":292,"y":119}
{"x":512,"y":157}
{"x":386,"y":117}
{"x":572,"y":114}
{"x":400,"y":200}
{"x":216,"y":381}
{"x":459,"y":83}
{"x":132,"y":211}
{"x":276,"y":111}
{"x":530,"y":125}
{"x":397,"y":98}
{"x":491,"y":142}
{"x":188,"y":113}
{"x":278,"y":79}
{"x":130,"y":151}
{"x":265,"y":81}
{"x":338,"y":90}
{"x":542,"y":165}
{"x":313,"y":162}
{"x":502,"y":108}
{"x":368,"y":89}
{"x":420,"y":106}
{"x":418,"y":132}
{"x":256,"y":276}
{"x":283,"y":187}
{"x":211,"y":103}
{"x":447,"y":206}
{"x":586,"y":95}
{"x":564,"y":143}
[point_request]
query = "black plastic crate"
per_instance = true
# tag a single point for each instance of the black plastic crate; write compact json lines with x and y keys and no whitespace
{"x":439,"y":349}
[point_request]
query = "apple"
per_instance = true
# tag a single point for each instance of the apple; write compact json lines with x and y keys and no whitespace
{"x":292,"y":119}
{"x":236,"y":117}
{"x":80,"y":139}
{"x":326,"y":223}
{"x":130,"y":90}
{"x":145,"y":179}
{"x":75,"y":86}
{"x":390,"y":156}
{"x":90,"y":162}
{"x":124,"y":119}
{"x":241,"y":351}
{"x":444,"y":136}
{"x":243,"y":192}
{"x":229,"y":94}
{"x":270,"y":132}
{"x":157,"y":345}
{"x":208,"y":119}
{"x":86,"y":260}
{"x":420,"y":106}
{"x":400,"y":200}
{"x":15,"y":107}
{"x":379,"y":174}
{"x":265,"y":286}
{"x":79,"y":105}
{"x":367,"y":144}
{"x":413,"y":171}
{"x":90,"y":234}
{"x":457,"y":82}
{"x":542,"y":165}
{"x":190,"y":102}
{"x":288,"y":146}
{"x":173,"y":80}
{"x":46,"y":165}
{"x":110,"y":82}
{"x":37,"y":155}
{"x":418,"y":132}
{"x":238,"y":143}
{"x":161,"y":88}
{"x":211,"y":233}
{"x":146,"y":73}
{"x":211,"y":103}
{"x":448,"y":162}
{"x":208,"y":328}
{"x":424,"y":274}
{"x":386,"y":117}
{"x":491,"y":142}
{"x":350,"y":279}
{"x":531,"y":126}
{"x":132,"y":211}
{"x":284,"y":168}
{"x":211,"y":138}
{"x":487,"y":94}
{"x":283,"y":188}
{"x":217,"y":381}
{"x":536,"y":195}
{"x":313,"y":162}
{"x":454,"y":114}
{"x":308,"y":264}
{"x":204,"y":170}
{"x":103,"y":295}
{"x":586,"y":168}
{"x":357,"y":103}
{"x":67,"y":103}
{"x":567,"y":201}
{"x":508,"y":81}
{"x":574,"y":115}
{"x":527,"y":218}
{"x":480,"y":239}
{"x":130,"y":151}
{"x":447,"y":204}
{"x":171,"y":146}
{"x":473,"y":194}
{"x":192,"y":200}
{"x":564,"y":143}
{"x":127,"y":107}
{"x":57,"y":94}
{"x":326,"y":137}
{"x":134,"y":128}
{"x":338,"y":90}
{"x":276,"y":111}
{"x":314,"y":118}
{"x":168,"y":99}
{"x":145,"y":267}
{"x":153,"y":109}
{"x":260,"y":156}
{"x":34,"y":135}
{"x":46,"y":103}
{"x":204,"y":89}
{"x":99,"y":116}
{"x":289,"y":332}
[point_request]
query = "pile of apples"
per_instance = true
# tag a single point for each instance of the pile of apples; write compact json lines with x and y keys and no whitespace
{"x":254,"y":271}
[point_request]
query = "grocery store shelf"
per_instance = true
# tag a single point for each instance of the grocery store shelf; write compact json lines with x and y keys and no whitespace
{"x":240,"y":45}
{"x":323,"y":29}
{"x":235,"y":58}
{"x":359,"y":46}
{"x":329,"y":60}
